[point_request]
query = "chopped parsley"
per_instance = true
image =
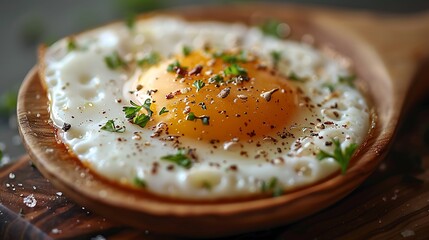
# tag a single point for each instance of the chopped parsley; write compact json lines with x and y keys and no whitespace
{"x":163,"y":110}
{"x":141,"y":120}
{"x":186,"y":50}
{"x":132,"y":113}
{"x":276,"y":56}
{"x":114,"y":61}
{"x":272,"y":186}
{"x":191,"y":116}
{"x":294,"y":77}
{"x":173,"y":66}
{"x":198,"y":84}
{"x":272,"y":28}
{"x":216,"y":79}
{"x":71,"y":45}
{"x":340,"y":156}
{"x":329,"y":86}
{"x":130,"y":21}
{"x":232,"y":58}
{"x":111,"y":127}
{"x":349,"y":80}
{"x":204,"y":119}
{"x":235,"y":70}
{"x":139,"y":182}
{"x":151,"y":59}
{"x":180,"y":158}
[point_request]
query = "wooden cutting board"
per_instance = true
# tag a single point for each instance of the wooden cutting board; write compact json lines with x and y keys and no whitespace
{"x":392,"y":204}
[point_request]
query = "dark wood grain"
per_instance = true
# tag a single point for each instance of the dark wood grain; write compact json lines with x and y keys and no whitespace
{"x":392,"y":203}
{"x":387,"y":70}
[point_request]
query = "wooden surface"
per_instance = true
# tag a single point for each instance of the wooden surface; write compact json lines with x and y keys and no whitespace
{"x":393,"y":203}
{"x":387,"y":85}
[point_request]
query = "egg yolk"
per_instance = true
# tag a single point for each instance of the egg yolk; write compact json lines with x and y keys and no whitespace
{"x":217,"y":98}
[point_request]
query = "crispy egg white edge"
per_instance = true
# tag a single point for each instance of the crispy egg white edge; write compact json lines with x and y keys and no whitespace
{"x":83,"y":92}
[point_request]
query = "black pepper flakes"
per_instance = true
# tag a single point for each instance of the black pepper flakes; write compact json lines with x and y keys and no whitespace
{"x":66,"y":127}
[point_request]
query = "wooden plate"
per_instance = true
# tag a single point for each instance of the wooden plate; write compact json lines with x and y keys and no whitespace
{"x":384,"y":59}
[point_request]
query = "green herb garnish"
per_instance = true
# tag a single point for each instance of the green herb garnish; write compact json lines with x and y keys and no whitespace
{"x":114,"y":61}
{"x":191,"y":116}
{"x":173,"y":66}
{"x":329,"y":86}
{"x":272,"y":185}
{"x":349,"y":80}
{"x":130,"y":21}
{"x":235,"y":70}
{"x":216,"y":79}
{"x":186,"y":50}
{"x":340,"y":156}
{"x":294,"y":77}
{"x":132,"y":113}
{"x":71,"y":44}
{"x":151,"y":59}
{"x":163,"y":110}
{"x":180,"y":158}
{"x":276,"y":56}
{"x":198,"y":84}
{"x":139,"y":182}
{"x":110,"y":127}
{"x":232,"y":58}
{"x":272,"y":28}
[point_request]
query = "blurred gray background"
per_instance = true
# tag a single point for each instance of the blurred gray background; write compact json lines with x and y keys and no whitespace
{"x":25,"y":24}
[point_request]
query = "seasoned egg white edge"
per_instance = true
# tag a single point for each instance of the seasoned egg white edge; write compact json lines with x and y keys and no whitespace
{"x":84,"y":92}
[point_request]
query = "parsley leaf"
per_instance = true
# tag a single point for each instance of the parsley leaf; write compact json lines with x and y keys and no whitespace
{"x":216,"y":79}
{"x":186,"y":50}
{"x":198,"y":84}
{"x":163,"y":110}
{"x":294,"y":77}
{"x":340,"y":156}
{"x":349,"y":80}
{"x":272,"y":28}
{"x":232,"y":58}
{"x":329,"y":86}
{"x":151,"y":59}
{"x":273,"y":186}
{"x":173,"y":66}
{"x":141,"y":120}
{"x":139,"y":182}
{"x":132,"y":113}
{"x":71,"y":45}
{"x":130,"y":21}
{"x":180,"y":158}
{"x":276,"y":56}
{"x":110,"y":127}
{"x":114,"y":61}
{"x":191,"y":116}
{"x":236,"y":70}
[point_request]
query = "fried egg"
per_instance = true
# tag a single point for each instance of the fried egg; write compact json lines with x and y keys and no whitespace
{"x":202,"y":110}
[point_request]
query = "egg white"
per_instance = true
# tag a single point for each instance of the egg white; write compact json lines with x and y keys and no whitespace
{"x":85,"y":93}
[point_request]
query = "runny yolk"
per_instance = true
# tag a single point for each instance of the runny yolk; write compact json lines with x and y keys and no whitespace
{"x":247,"y":101}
